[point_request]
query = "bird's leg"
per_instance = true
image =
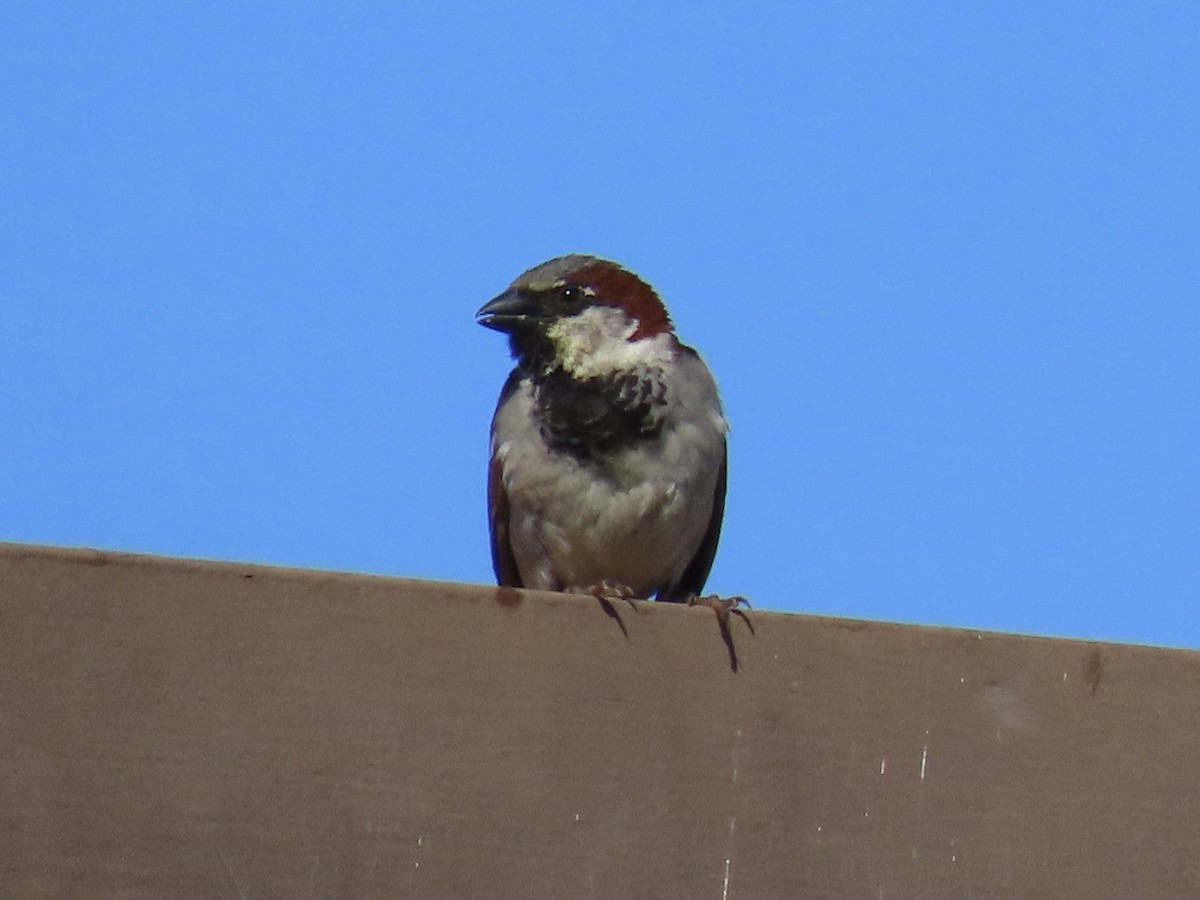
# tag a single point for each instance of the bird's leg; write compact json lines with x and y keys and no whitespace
{"x":722,"y":606}
{"x":608,"y":592}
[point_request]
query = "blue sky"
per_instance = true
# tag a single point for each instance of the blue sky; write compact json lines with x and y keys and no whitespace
{"x":943,"y":259}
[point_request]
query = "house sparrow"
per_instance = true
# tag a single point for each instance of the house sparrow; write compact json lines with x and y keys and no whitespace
{"x":608,"y":455}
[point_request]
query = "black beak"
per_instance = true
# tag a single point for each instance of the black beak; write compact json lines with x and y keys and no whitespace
{"x":511,"y":311}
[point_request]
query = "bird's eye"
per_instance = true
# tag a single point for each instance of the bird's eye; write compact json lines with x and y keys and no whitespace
{"x":572,"y":293}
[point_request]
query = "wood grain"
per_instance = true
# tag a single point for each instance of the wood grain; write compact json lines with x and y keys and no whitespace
{"x":181,"y":729}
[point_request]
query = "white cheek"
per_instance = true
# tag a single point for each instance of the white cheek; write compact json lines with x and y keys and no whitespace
{"x":597,"y":341}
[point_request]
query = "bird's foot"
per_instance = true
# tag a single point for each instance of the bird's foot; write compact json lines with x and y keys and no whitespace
{"x":608,"y":592}
{"x":723,"y":607}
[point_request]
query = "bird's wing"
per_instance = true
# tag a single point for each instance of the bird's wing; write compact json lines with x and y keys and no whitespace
{"x":504,"y":563}
{"x":692,"y":581}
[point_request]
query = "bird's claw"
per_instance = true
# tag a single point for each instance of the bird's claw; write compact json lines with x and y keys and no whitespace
{"x":609,"y":592}
{"x":723,"y":606}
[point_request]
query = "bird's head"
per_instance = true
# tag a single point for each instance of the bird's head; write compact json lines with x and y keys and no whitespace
{"x":584,"y":315}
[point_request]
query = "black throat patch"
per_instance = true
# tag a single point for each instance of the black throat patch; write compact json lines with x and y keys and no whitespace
{"x":598,"y":415}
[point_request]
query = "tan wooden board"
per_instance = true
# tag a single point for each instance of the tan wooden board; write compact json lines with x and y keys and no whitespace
{"x":180,"y":729}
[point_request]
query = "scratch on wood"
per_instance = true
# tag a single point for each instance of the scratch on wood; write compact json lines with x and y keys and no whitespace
{"x":736,"y":753}
{"x":232,"y":877}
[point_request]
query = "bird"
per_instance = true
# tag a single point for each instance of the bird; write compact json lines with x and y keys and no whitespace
{"x":608,"y":453}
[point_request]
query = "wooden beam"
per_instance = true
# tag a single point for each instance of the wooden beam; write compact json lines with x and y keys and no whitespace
{"x":183,"y":729}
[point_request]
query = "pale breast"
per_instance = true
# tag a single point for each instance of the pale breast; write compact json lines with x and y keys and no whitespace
{"x":635,"y":516}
